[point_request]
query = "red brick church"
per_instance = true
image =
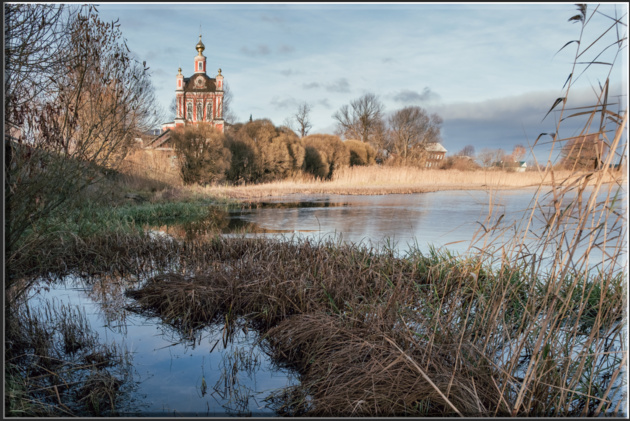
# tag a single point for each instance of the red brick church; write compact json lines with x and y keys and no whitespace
{"x":199,"y":98}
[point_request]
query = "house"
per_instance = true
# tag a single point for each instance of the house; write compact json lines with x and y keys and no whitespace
{"x":198,"y":98}
{"x":161,"y":148}
{"x":162,"y":142}
{"x":435,"y":154}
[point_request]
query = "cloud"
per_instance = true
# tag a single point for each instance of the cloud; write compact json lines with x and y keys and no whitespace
{"x":340,"y":85}
{"x":311,"y":85}
{"x":409,"y":97}
{"x":286,"y":49}
{"x":505,"y":122}
{"x":324,"y":103}
{"x":288,"y":72}
{"x":260,"y":50}
{"x":160,"y":72}
{"x":283,"y":103}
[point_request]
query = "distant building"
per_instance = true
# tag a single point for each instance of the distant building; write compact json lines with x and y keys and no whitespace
{"x":198,"y":98}
{"x":435,"y":154}
{"x":161,"y":142}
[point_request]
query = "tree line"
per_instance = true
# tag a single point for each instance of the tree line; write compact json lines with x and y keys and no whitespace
{"x":258,"y":151}
{"x":399,"y":138}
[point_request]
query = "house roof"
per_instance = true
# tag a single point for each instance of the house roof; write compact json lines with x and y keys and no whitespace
{"x":435,"y":147}
{"x":160,"y":140}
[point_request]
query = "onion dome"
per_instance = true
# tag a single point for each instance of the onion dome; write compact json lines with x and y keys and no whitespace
{"x":200,"y":47}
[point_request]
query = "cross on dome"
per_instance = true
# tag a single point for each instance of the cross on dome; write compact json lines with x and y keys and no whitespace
{"x":200,"y":47}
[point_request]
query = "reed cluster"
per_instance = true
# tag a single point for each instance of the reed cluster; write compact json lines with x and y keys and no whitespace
{"x":374,"y":334}
{"x":55,"y":365}
{"x":361,"y":180}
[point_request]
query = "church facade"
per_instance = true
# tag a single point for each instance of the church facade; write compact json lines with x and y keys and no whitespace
{"x":198,"y":98}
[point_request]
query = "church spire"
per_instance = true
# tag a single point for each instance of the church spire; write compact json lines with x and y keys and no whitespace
{"x":200,"y":59}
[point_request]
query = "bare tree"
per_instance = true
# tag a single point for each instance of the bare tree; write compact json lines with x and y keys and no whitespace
{"x":518,"y":153}
{"x":86,"y":100}
{"x":35,"y":42}
{"x":203,"y":157}
{"x":303,"y":118}
{"x":172,"y":109}
{"x":410,"y":129}
{"x":468,"y":150}
{"x":583,"y":152}
{"x":486,"y":157}
{"x":300,"y":121}
{"x":492,"y":157}
{"x":228,"y":113}
{"x":362,"y":120}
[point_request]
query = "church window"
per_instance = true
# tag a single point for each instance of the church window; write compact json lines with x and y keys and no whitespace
{"x":209,"y":111}
{"x":189,"y":112}
{"x":199,"y":111}
{"x":200,"y":66}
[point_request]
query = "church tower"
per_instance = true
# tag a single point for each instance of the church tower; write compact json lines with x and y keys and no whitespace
{"x":198,"y":98}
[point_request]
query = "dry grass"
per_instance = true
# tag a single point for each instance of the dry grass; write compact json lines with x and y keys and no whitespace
{"x":146,"y":169}
{"x":373,"y":335}
{"x":370,"y":180}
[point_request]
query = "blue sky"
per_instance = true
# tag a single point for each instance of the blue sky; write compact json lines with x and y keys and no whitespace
{"x":490,"y":70}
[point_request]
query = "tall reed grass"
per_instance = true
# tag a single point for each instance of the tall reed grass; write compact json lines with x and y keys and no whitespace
{"x":369,"y":180}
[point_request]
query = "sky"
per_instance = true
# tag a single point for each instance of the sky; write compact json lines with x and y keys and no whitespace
{"x":491,"y":71}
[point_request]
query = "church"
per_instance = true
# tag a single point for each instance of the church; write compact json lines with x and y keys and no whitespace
{"x":198,"y":98}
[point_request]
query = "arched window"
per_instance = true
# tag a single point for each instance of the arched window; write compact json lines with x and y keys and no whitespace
{"x":200,"y":66}
{"x":209,"y":111}
{"x":189,"y":111}
{"x":199,"y":111}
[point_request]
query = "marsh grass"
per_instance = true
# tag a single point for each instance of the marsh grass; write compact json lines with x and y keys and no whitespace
{"x":57,"y":366}
{"x":371,"y":333}
{"x":375,"y":179}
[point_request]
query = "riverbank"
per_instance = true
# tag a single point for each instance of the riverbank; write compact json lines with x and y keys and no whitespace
{"x":378,"y":180}
{"x":367,"y":333}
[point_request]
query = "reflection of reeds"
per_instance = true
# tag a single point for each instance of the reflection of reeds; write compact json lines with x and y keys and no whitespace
{"x":56,"y":365}
{"x":236,"y":396}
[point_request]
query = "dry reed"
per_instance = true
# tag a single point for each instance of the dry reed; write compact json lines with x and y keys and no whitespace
{"x":355,"y":322}
{"x":370,"y":180}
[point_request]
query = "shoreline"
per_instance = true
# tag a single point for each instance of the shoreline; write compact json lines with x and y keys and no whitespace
{"x":277,"y":190}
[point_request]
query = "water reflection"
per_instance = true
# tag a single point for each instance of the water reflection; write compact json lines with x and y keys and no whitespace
{"x":446,"y":218}
{"x":168,"y":366}
{"x":455,"y":220}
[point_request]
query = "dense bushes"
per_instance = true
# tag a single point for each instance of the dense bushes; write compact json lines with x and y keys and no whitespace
{"x":361,"y":153}
{"x":324,"y":154}
{"x":258,"y":152}
{"x":203,"y":156}
{"x":262,"y":152}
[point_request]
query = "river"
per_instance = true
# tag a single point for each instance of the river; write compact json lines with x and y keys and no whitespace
{"x":170,"y":372}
